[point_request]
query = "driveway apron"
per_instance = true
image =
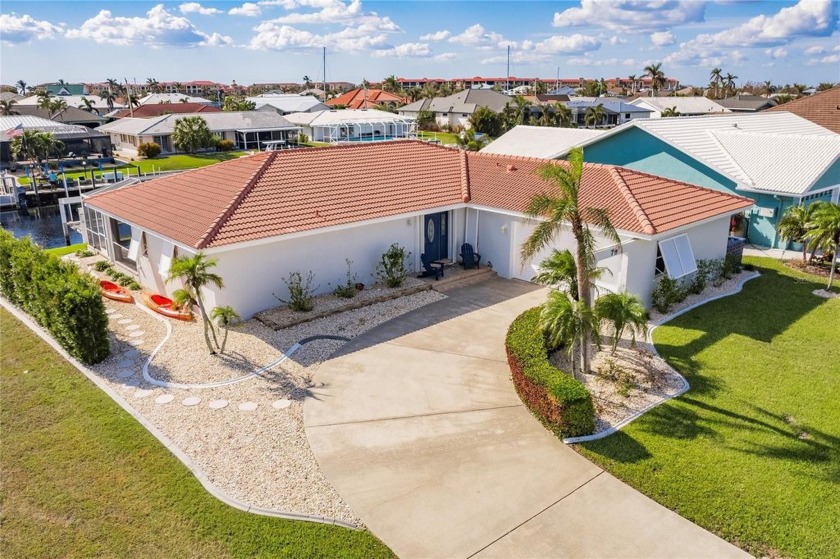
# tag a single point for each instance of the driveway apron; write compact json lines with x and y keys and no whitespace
{"x":420,"y":430}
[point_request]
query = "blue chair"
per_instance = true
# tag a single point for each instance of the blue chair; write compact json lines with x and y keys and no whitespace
{"x":431,"y":268}
{"x":469,"y":257}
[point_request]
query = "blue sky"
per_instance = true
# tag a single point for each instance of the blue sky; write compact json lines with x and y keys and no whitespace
{"x":280,"y":40}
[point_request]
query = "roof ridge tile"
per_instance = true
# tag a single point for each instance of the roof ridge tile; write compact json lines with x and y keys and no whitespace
{"x":625,"y":191}
{"x":465,"y":177}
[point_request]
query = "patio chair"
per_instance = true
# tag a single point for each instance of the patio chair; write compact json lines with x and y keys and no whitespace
{"x":431,"y":268}
{"x":469,"y":257}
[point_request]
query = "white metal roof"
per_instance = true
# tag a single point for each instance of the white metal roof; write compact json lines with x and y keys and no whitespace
{"x":43,"y":125}
{"x":684,"y":105}
{"x":540,"y":141}
{"x":217,"y":122}
{"x":157,"y":98}
{"x":345,"y":117}
{"x":289,"y":103}
{"x":73,"y":101}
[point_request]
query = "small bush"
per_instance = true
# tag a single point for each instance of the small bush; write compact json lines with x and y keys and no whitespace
{"x":730,"y":266}
{"x":701,"y":276}
{"x":749,"y":267}
{"x":668,"y":292}
{"x":133,"y":285}
{"x":391,"y":269}
{"x":149,"y":149}
{"x":347,"y":290}
{"x":300,"y":292}
{"x":224,"y":145}
{"x":303,"y":138}
{"x":102,"y":266}
{"x":125,"y":281}
{"x":562,"y":403}
{"x":84,"y":253}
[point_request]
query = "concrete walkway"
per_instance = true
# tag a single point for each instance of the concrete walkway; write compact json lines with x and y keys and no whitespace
{"x":420,"y":430}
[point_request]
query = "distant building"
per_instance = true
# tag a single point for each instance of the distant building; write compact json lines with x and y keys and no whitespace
{"x":79,"y":140}
{"x":157,"y":109}
{"x":685,"y":106}
{"x":544,"y":142}
{"x":362,"y":98}
{"x":159,"y":98}
{"x":616,"y":112}
{"x":97,"y":103}
{"x":351,"y":125}
{"x":746,"y":103}
{"x":284,"y":104}
{"x":66,"y":89}
{"x":821,"y":108}
{"x":69,"y":115}
{"x":456,"y":110}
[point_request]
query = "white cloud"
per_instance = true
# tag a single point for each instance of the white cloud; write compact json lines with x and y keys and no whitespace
{"x":588,"y":61}
{"x":616,"y":40}
{"x":275,"y":36}
{"x":813,"y":51}
{"x":437,"y":36}
{"x":662,"y":38}
{"x":548,"y":49}
{"x":248,"y":9}
{"x":406,"y":50}
{"x":158,"y":28}
{"x":632,"y":15}
{"x":476,"y":36}
{"x":329,"y":11}
{"x":287,"y":4}
{"x":776,"y":53}
{"x":24,"y":29}
{"x":196,"y":8}
{"x":830,"y":59}
{"x":444,"y":56}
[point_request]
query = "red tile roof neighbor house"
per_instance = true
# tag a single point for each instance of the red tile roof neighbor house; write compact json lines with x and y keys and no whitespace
{"x":367,"y":99}
{"x":821,"y":108}
{"x":278,"y":193}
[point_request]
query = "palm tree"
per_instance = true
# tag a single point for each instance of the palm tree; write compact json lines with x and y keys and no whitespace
{"x":523,"y":108}
{"x":86,"y":105}
{"x":716,"y":79}
{"x":729,"y":83}
{"x":21,"y":85}
{"x":567,"y":323}
{"x":307,"y":81}
{"x":56,"y":106}
{"x":633,"y":82}
{"x":622,"y":310}
{"x":7,"y":107}
{"x":793,"y":226}
{"x":560,"y":208}
{"x":113,"y":85}
{"x":224,"y":317}
{"x":468,"y":141}
{"x":132,"y":100}
{"x":178,"y":86}
{"x":109,"y":97}
{"x":191,"y":133}
{"x":61,"y":82}
{"x":799,"y":89}
{"x":44,"y":100}
{"x":670,"y":111}
{"x":769,"y":88}
{"x":562,"y":115}
{"x":153,"y":84}
{"x":824,"y":231}
{"x":195,"y":273}
{"x":656,"y":75}
{"x":558,"y":270}
{"x":594,"y":115}
{"x":390,"y":84}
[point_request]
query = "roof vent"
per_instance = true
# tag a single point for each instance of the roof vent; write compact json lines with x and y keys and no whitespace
{"x":511,"y":168}
{"x":735,"y":125}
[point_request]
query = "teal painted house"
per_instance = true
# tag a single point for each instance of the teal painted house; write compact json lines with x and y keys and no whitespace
{"x":777,"y":159}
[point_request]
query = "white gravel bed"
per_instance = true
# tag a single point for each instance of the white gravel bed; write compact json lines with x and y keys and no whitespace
{"x":327,"y":302}
{"x":726,"y":288}
{"x":251,"y":442}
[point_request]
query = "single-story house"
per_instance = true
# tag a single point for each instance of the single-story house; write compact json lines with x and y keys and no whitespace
{"x":685,"y":106}
{"x":545,"y":142}
{"x":615,"y":112}
{"x":79,"y":140}
{"x":247,"y":129}
{"x":365,"y":98}
{"x":456,"y":110}
{"x":349,"y":125}
{"x":746,"y":103}
{"x":68,"y":115}
{"x":10,"y":96}
{"x":97,"y":102}
{"x":284,"y":104}
{"x":273,"y":213}
{"x":777,"y":159}
{"x":821,"y":108}
{"x":158,"y":109}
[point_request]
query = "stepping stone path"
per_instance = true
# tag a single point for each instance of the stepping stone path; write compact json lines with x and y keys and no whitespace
{"x":248,"y":406}
{"x":218,"y":404}
{"x":125,"y":321}
{"x":135,"y":342}
{"x":164,"y":399}
{"x":133,"y":327}
{"x":132,"y":383}
{"x":191,"y":401}
{"x":137,"y":334}
{"x":110,"y":311}
{"x":143,"y":393}
{"x":131,"y":354}
{"x":125,"y":373}
{"x":281,"y":404}
{"x":116,"y":315}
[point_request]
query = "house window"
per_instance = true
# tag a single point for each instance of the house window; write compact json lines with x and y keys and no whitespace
{"x":675,"y":257}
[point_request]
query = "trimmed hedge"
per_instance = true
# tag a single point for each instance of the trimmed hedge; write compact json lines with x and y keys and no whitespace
{"x":562,"y":403}
{"x":59,"y":297}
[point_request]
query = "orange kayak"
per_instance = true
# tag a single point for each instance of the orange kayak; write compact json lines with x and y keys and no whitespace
{"x":165,"y":306}
{"x":115,"y":292}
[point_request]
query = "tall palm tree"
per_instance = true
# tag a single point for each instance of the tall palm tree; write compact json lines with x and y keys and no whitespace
{"x":224,"y":317}
{"x":729,"y":83}
{"x":44,"y":100}
{"x":7,"y":107}
{"x":558,"y":270}
{"x":594,"y":115}
{"x":559,"y":208}
{"x":562,"y":115}
{"x":153,"y":84}
{"x":195,"y":272}
{"x":178,"y":86}
{"x":793,"y":226}
{"x":132,"y":100}
{"x":191,"y":133}
{"x":633,"y":82}
{"x":657,"y":77}
{"x":390,"y":84}
{"x":523,"y":108}
{"x":824,"y":231}
{"x":670,"y":111}
{"x":716,"y":79}
{"x":113,"y":85}
{"x":307,"y":81}
{"x":769,"y":88}
{"x":86,"y":105}
{"x":799,"y":89}
{"x":56,"y":106}
{"x":109,"y":97}
{"x":622,"y":310}
{"x":567,"y":323}
{"x":21,"y":85}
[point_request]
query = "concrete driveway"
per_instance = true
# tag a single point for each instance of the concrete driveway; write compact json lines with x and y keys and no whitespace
{"x":422,"y":433}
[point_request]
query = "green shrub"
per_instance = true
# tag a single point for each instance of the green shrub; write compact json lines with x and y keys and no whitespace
{"x":730,"y":266}
{"x":391,"y":269}
{"x":705,"y":269}
{"x":668,"y":292}
{"x":303,"y":138}
{"x":300,"y":292}
{"x":125,"y":281}
{"x":54,"y":293}
{"x":562,"y":403}
{"x":347,"y":290}
{"x":224,"y":145}
{"x":149,"y":149}
{"x":102,"y":266}
{"x":133,"y":285}
{"x":85,"y":253}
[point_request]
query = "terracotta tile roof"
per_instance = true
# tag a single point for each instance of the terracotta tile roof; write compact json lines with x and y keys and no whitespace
{"x":278,"y":193}
{"x":359,"y":99}
{"x":157,"y":109}
{"x":637,"y":202}
{"x":821,"y":108}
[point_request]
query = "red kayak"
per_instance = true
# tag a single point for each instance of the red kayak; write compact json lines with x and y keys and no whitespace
{"x":165,"y":306}
{"x":115,"y":292}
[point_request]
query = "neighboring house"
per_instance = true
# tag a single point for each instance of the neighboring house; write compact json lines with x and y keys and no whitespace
{"x":545,"y":142}
{"x":746,"y":103}
{"x":616,"y":112}
{"x":98,"y":103}
{"x":267,"y":215}
{"x":9,"y":96}
{"x":362,"y":98}
{"x":248,"y":130}
{"x":456,"y":110}
{"x":162,"y":98}
{"x":563,"y":90}
{"x":685,"y":106}
{"x":159,"y":109}
{"x":348,"y":125}
{"x":70,"y":115}
{"x":821,"y":108}
{"x":67,"y":89}
{"x":777,"y":159}
{"x":79,"y":140}
{"x":284,"y":104}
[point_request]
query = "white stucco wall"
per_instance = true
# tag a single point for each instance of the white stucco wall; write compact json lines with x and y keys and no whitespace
{"x":708,"y":240}
{"x":494,"y":244}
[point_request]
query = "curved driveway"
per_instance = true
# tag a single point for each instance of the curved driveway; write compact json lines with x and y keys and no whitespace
{"x":421,"y":432}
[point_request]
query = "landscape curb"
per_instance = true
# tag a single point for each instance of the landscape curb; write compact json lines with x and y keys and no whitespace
{"x":653,"y":325}
{"x":164,"y":440}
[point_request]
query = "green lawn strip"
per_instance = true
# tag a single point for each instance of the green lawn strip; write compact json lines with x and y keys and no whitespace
{"x":752,"y":451}
{"x":61,"y":251}
{"x":82,"y":478}
{"x":447,"y":138}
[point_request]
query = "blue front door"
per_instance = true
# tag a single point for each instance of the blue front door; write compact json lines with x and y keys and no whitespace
{"x":436,"y":236}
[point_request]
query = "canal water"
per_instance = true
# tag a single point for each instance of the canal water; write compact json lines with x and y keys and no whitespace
{"x":42,"y":224}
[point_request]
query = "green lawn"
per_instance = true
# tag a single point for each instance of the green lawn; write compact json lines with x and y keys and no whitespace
{"x":81,"y":478}
{"x":61,"y":251}
{"x":752,"y":451}
{"x":447,"y":138}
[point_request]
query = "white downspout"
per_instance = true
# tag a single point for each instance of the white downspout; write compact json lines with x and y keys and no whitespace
{"x":477,"y":216}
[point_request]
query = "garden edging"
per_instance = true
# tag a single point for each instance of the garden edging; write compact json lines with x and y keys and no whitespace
{"x":686,"y":386}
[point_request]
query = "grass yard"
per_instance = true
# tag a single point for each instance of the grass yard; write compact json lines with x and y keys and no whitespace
{"x":752,"y":451}
{"x":446,"y":138}
{"x":81,"y":478}
{"x":61,"y":251}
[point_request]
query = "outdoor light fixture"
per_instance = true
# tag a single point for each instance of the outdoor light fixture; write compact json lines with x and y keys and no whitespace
{"x":504,"y":228}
